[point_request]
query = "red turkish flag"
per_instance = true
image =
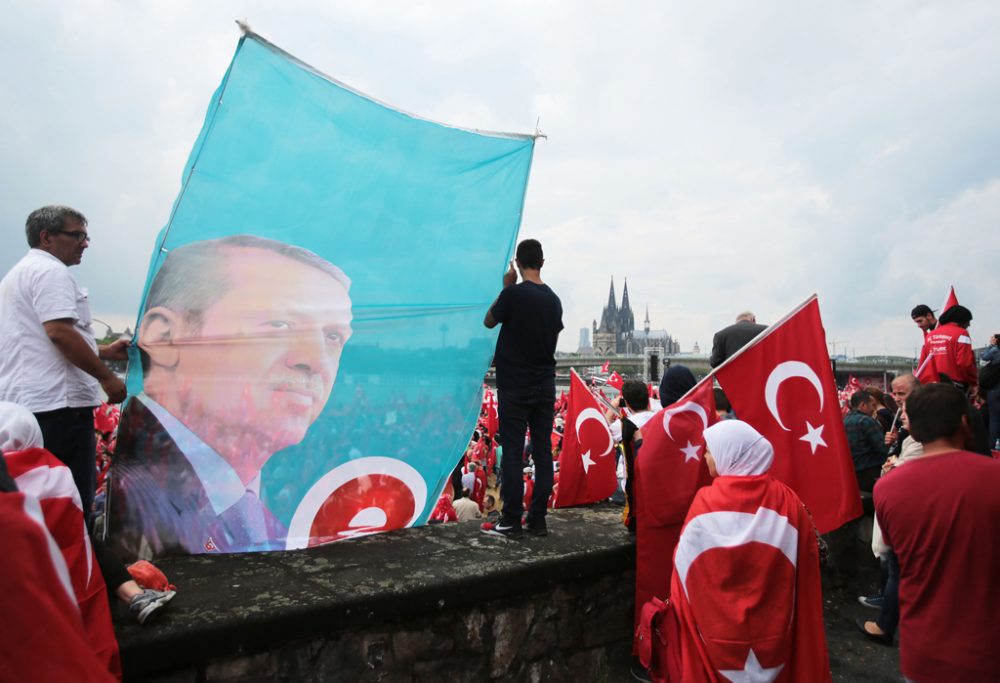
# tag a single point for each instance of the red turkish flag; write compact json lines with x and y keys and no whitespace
{"x":669,"y":469}
{"x":746,"y":594}
{"x":607,"y":364}
{"x":616,"y":381}
{"x":949,"y":301}
{"x":587,"y":464}
{"x":42,"y":637}
{"x":782,"y":384}
{"x":492,"y":421}
{"x":41,"y":475}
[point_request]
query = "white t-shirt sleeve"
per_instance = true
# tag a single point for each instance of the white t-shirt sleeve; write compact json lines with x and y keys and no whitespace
{"x":53,"y":295}
{"x":616,"y":431}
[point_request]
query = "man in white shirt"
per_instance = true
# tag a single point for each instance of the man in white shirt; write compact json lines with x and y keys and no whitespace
{"x":49,"y":360}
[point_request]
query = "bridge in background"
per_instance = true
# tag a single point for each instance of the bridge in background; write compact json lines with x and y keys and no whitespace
{"x":869,"y":370}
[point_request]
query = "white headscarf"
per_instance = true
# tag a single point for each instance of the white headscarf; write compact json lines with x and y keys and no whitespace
{"x":18,"y":428}
{"x":738,"y":449}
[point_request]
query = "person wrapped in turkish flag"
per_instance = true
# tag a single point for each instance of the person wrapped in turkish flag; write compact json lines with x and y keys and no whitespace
{"x":746,"y":596}
{"x":44,"y":478}
{"x":669,"y":469}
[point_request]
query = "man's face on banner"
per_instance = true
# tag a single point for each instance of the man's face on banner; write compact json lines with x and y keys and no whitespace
{"x":262,"y":364}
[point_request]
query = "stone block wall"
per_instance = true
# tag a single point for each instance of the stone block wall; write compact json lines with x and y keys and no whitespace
{"x":575,"y":632}
{"x":442,"y":603}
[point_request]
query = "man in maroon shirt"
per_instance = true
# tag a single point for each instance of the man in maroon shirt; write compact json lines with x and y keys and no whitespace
{"x":941,"y":515}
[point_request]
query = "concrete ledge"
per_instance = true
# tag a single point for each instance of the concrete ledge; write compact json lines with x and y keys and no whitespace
{"x":235,"y":605}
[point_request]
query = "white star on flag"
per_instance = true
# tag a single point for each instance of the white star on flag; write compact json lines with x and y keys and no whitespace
{"x":690,"y":452}
{"x":587,"y":462}
{"x":752,"y":672}
{"x":813,"y":436}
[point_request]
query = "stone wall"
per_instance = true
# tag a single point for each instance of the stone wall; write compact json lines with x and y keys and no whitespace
{"x":576,"y":632}
{"x":442,"y":603}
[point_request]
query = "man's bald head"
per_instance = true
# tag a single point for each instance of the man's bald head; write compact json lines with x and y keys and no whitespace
{"x":903,"y":386}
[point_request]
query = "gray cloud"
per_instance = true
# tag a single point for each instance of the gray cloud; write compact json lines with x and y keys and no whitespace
{"x":721,"y":159}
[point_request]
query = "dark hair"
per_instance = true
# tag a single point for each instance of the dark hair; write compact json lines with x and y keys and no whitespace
{"x":958,"y":314}
{"x":464,"y":493}
{"x":529,"y":254}
{"x":49,"y":219}
{"x":676,"y":381}
{"x":935,"y":411}
{"x":721,"y":400}
{"x":859,"y":398}
{"x":636,"y":394}
{"x":922,"y":309}
{"x":876,"y":394}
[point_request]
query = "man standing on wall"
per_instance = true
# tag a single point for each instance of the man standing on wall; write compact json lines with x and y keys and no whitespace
{"x":49,"y":361}
{"x":530,"y":315}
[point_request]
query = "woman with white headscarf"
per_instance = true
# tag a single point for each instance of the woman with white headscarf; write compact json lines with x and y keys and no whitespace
{"x":745,"y":595}
{"x":19,"y":429}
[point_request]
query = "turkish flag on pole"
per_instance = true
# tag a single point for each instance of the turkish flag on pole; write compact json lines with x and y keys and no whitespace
{"x":607,"y":364}
{"x":949,"y":301}
{"x":782,"y":385}
{"x":587,"y":464}
{"x":616,"y":381}
{"x":671,"y":462}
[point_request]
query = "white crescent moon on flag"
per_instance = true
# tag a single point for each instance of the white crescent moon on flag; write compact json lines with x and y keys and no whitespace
{"x":595,"y":414}
{"x":729,"y":529}
{"x":689,"y":407}
{"x":787,"y":370}
{"x":300,"y":527}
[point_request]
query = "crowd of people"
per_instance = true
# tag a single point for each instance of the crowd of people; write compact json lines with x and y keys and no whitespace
{"x":934,"y":531}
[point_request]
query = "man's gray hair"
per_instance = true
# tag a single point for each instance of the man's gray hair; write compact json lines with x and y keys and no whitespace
{"x":747,"y":316}
{"x":51,"y":219}
{"x":191,"y":279}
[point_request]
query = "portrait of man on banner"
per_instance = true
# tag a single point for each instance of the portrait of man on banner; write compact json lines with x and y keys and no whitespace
{"x":296,"y":377}
{"x":240,"y":341}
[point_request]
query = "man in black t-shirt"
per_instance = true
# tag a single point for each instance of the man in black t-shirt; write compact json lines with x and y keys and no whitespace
{"x":530,"y":315}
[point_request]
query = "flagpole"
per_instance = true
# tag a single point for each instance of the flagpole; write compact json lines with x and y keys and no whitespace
{"x":597,"y":395}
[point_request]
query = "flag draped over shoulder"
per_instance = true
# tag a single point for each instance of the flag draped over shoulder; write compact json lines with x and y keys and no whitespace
{"x":362,"y":392}
{"x":41,"y":475}
{"x":746,"y":594}
{"x":782,"y":384}
{"x":43,"y":638}
{"x":669,"y":469}
{"x":587,"y":463}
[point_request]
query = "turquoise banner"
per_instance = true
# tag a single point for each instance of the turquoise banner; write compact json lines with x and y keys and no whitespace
{"x":309,"y":353}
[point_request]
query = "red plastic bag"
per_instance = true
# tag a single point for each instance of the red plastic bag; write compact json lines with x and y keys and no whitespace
{"x":148,"y":576}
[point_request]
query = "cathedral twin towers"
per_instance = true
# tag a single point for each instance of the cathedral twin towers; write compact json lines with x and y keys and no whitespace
{"x":616,"y":335}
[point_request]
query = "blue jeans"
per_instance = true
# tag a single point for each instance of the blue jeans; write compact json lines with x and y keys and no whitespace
{"x":888,"y":616}
{"x":519,"y":410}
{"x":993,"y":406}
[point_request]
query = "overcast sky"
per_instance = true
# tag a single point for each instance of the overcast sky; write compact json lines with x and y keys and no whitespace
{"x":719,"y":157}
